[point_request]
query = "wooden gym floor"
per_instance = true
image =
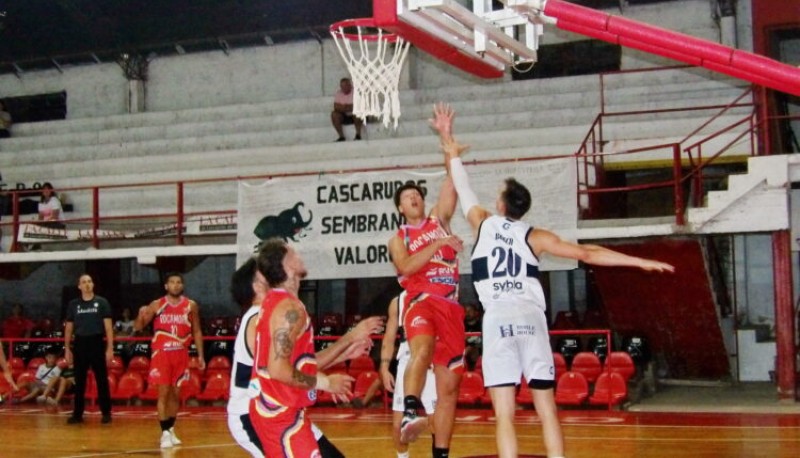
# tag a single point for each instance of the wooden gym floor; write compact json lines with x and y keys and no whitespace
{"x":33,"y":431}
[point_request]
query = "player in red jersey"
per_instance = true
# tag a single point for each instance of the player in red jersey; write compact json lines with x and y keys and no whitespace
{"x":176,"y":321}
{"x":425,"y":255}
{"x":285,"y":377}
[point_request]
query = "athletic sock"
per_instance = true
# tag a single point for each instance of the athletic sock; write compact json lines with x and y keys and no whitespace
{"x":411,"y":405}
{"x":164,"y":424}
{"x":402,"y":454}
{"x":441,"y":452}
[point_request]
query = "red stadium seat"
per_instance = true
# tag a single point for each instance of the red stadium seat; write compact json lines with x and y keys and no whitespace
{"x":91,"y":386}
{"x":217,"y":388}
{"x":588,"y":364}
{"x":621,"y":363}
{"x":189,"y":388}
{"x":359,"y":365}
{"x":62,"y":363}
{"x":524,"y":395}
{"x":116,"y":367}
{"x":219,"y":364}
{"x":572,"y":389}
{"x":17,"y":366}
{"x":140,"y":364}
{"x":25,"y":377}
{"x":610,"y":388}
{"x":34,"y":363}
{"x":150,"y":393}
{"x":364,"y":380}
{"x":471,"y":389}
{"x":560,"y":365}
{"x":130,"y":386}
{"x":194,"y":366}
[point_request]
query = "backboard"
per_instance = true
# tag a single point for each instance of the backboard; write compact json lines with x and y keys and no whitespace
{"x":482,"y":41}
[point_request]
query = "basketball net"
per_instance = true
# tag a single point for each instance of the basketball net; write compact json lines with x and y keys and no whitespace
{"x":374,"y":59}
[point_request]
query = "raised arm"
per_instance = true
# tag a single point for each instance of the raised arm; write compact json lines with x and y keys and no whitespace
{"x":442,"y":123}
{"x":546,"y":241}
{"x":145,"y":316}
{"x":473,"y":212}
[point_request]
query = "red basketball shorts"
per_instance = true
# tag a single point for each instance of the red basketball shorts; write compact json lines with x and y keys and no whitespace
{"x":169,"y":367}
{"x":442,"y":318}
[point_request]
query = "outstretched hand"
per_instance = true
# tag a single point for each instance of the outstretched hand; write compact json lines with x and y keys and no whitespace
{"x":367,"y":327}
{"x":656,"y":266}
{"x":357,"y":348}
{"x":442,"y":121}
{"x":340,"y":387}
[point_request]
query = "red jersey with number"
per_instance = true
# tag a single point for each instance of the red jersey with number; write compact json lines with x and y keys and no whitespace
{"x":440,"y":275}
{"x":275,"y":396}
{"x":172,"y":326}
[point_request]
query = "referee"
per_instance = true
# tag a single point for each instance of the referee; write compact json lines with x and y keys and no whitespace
{"x":89,"y":317}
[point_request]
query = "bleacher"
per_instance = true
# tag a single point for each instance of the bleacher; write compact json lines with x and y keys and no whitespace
{"x":500,"y":121}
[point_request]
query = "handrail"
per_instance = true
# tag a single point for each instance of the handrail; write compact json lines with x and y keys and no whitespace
{"x":180,"y":216}
{"x":590,"y":154}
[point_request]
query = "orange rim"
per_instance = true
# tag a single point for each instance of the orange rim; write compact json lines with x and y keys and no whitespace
{"x":337,"y":29}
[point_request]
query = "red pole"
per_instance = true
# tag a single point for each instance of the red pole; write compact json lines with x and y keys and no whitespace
{"x":784,"y":314}
{"x":686,"y":48}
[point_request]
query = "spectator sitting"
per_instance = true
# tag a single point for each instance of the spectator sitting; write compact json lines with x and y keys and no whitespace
{"x":66,"y":384}
{"x":50,"y":208}
{"x":343,"y":110}
{"x":124,"y":326}
{"x":472,"y":323}
{"x":47,"y":376}
{"x":5,"y":121}
{"x":17,"y":325}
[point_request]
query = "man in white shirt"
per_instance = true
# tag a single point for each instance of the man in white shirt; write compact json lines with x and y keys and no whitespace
{"x":343,"y":110}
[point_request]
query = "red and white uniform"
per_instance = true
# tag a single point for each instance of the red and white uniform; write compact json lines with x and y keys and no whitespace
{"x":278,"y":411}
{"x":172,"y":335}
{"x":432,"y":307}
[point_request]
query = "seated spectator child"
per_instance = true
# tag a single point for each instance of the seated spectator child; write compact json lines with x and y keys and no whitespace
{"x":66,"y":384}
{"x":47,"y":376}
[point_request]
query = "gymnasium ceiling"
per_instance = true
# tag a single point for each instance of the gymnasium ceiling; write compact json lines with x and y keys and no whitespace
{"x":49,"y":33}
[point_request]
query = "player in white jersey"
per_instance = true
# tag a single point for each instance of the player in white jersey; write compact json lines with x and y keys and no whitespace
{"x":505,"y":271}
{"x":248,"y":288}
{"x":394,"y":329}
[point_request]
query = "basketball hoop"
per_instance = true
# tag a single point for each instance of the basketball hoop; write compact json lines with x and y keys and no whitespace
{"x":375,"y":68}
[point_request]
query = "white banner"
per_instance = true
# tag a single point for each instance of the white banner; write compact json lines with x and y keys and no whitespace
{"x":341,"y":224}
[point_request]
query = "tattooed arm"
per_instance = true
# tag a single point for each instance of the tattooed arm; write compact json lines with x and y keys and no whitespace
{"x":286,"y":324}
